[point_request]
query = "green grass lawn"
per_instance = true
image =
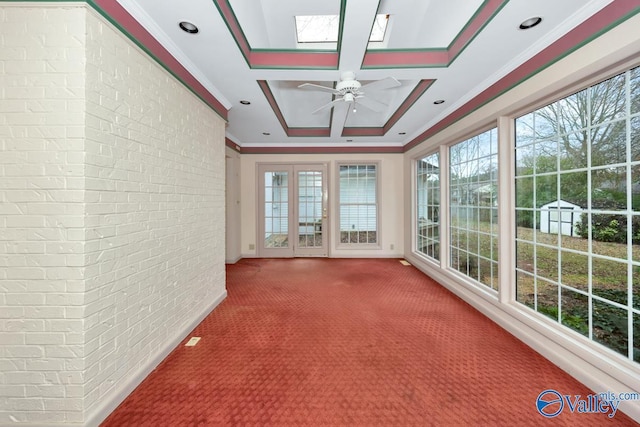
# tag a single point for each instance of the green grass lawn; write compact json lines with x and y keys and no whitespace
{"x":609,"y":277}
{"x":609,"y":280}
{"x":564,"y":261}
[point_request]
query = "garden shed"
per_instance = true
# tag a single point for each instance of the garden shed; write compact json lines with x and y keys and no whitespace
{"x":560,"y":215}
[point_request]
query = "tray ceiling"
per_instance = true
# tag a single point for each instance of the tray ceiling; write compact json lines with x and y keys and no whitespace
{"x":438,"y":50}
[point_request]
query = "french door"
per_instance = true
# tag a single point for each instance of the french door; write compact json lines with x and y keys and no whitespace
{"x":292,"y":210}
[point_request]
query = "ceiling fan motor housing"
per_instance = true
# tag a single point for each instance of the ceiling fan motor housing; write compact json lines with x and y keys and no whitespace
{"x":348,"y":86}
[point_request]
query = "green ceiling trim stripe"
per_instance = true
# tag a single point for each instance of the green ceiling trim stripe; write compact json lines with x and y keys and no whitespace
{"x":451,"y":56}
{"x":420,"y":88}
{"x":220,"y":110}
{"x":453,"y":118}
{"x":290,"y":131}
{"x":271,"y":99}
{"x":233,"y":35}
{"x":478,"y":31}
{"x":324,"y":150}
{"x":229,"y":17}
{"x":417,"y":92}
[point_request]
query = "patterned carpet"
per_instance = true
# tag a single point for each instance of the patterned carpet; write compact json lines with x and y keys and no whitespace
{"x":348,"y":342}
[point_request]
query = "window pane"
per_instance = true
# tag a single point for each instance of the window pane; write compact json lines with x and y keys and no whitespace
{"x":610,"y":280}
{"x":607,"y":100}
{"x":358,"y":204}
{"x":609,"y":188}
{"x":317,"y":28}
{"x":473,"y":196}
{"x":547,"y":298}
{"x":546,"y":156}
{"x":578,"y":210}
{"x":573,"y":187}
{"x":573,"y":151}
{"x":379,"y":28}
{"x":524,"y":129}
{"x":635,"y":138}
{"x":634,"y":78}
{"x":575,"y":270}
{"x":610,"y":326}
{"x":609,"y":144}
{"x":428,"y":205}
{"x":575,"y":311}
{"x":276,"y":209}
{"x":525,"y":289}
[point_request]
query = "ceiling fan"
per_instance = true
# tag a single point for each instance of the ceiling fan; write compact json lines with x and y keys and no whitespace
{"x":350,"y":91}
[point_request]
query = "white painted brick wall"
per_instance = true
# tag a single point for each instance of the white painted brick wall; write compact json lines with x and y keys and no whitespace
{"x":155,"y":209}
{"x":111,"y":212}
{"x":41,"y":210}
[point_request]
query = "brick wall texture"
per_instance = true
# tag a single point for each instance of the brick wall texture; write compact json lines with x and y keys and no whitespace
{"x":111,"y":211}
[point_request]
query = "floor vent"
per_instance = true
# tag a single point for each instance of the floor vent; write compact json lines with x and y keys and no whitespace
{"x":193,"y":341}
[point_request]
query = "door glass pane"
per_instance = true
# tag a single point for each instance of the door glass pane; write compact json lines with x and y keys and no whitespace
{"x":310,"y":209}
{"x":276,"y":209}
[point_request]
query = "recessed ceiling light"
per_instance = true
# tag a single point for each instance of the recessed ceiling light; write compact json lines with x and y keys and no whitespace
{"x":349,"y":140}
{"x":266,"y":133}
{"x":244,"y":102}
{"x":402,"y":133}
{"x":188,"y":27}
{"x":439,"y":101}
{"x":530,"y":23}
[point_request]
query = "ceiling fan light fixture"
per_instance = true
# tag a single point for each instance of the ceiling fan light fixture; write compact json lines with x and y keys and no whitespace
{"x":188,"y":27}
{"x":350,"y":91}
{"x":530,"y":23}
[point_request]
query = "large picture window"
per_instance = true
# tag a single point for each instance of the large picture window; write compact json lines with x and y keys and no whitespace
{"x":578,"y":212}
{"x":428,"y":206}
{"x":358,"y":204}
{"x":473,"y":186}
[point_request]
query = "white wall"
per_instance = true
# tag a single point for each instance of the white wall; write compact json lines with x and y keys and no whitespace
{"x":112,"y":214}
{"x":594,"y":366}
{"x":233,"y":207}
{"x":390,"y":200}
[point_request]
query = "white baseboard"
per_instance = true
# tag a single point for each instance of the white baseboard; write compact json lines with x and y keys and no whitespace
{"x":99,"y":413}
{"x":233,"y":260}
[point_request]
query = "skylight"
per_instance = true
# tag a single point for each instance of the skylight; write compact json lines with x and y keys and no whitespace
{"x":379,"y":28}
{"x":317,"y":28}
{"x":325,"y":28}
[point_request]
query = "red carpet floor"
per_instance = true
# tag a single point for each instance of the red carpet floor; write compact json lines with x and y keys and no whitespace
{"x":348,"y":342}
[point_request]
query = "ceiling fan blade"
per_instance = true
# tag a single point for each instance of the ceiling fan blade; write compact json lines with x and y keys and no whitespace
{"x":315,"y":87}
{"x":339,"y":117}
{"x":328,"y":105}
{"x":385,"y":83}
{"x":371,"y":104}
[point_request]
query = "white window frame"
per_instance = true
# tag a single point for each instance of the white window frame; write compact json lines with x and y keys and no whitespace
{"x":415,"y":218}
{"x":338,"y":236}
{"x":492,"y":289}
